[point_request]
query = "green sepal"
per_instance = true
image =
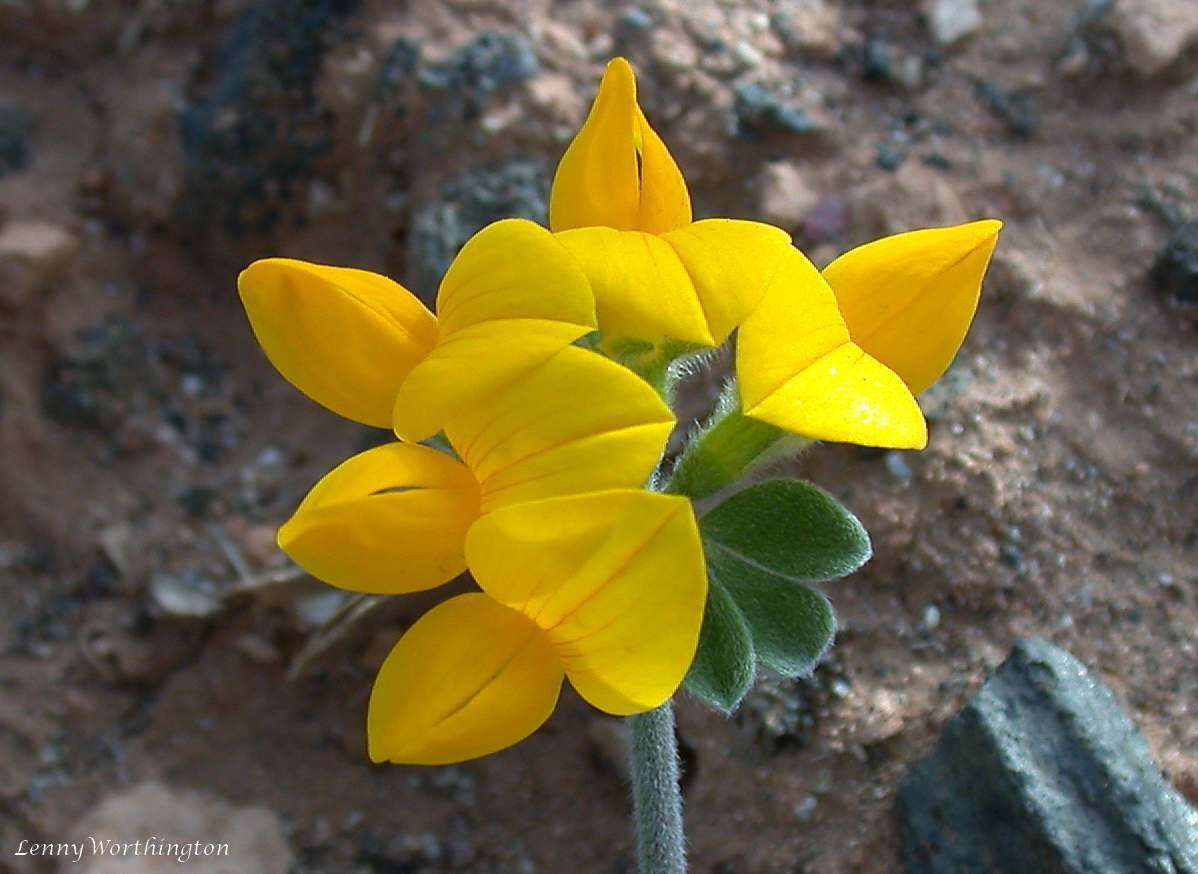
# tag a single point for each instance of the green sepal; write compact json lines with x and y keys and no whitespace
{"x":659,"y":364}
{"x":723,"y":669}
{"x":726,"y":448}
{"x":791,"y":625}
{"x":789,"y":528}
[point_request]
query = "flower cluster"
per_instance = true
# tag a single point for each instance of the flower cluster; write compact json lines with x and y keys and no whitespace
{"x":531,"y":412}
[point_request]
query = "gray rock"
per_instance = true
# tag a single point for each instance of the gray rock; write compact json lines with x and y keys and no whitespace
{"x":488,"y":63}
{"x":635,"y":18}
{"x":1017,"y":109}
{"x":256,"y":127}
{"x":759,"y":112}
{"x":16,"y":124}
{"x":1043,"y":773}
{"x":515,"y":189}
{"x":876,"y":60}
{"x":1176,"y":268}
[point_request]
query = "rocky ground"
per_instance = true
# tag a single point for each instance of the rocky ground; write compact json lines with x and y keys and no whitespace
{"x":162,"y":665}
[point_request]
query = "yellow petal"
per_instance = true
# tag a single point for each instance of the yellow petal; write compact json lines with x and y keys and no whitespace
{"x":730,"y":264}
{"x":617,"y":172}
{"x":617,"y":581}
{"x":389,"y":520}
{"x":693,"y":284}
{"x":513,"y":269}
{"x":472,"y":365}
{"x":471,"y":677}
{"x":641,"y":287}
{"x":577,"y":423}
{"x":909,"y":299}
{"x":798,"y":369}
{"x":346,"y":338}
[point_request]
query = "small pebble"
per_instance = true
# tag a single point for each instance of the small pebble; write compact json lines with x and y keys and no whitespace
{"x":758,"y":112}
{"x":952,"y":20}
{"x":1011,"y":555}
{"x":890,"y":158}
{"x":635,"y":18}
{"x":876,"y":61}
{"x":1176,"y":269}
{"x":897,"y":466}
{"x":747,"y":55}
{"x":931,"y":617}
{"x":805,"y":809}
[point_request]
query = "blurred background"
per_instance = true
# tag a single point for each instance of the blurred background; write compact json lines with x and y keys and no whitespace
{"x":158,"y":657}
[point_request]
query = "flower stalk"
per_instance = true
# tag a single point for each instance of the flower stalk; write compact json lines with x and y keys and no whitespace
{"x":727,"y":449}
{"x":656,"y":792}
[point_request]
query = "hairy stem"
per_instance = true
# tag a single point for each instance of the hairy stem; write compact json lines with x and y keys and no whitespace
{"x":656,"y":794}
{"x":727,"y":447}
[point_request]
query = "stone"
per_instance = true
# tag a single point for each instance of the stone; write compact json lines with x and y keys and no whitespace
{"x":784,"y":197}
{"x":876,"y":60}
{"x":170,"y":823}
{"x":32,"y":254}
{"x":759,"y":112}
{"x":897,"y":467}
{"x":890,"y":157}
{"x":187,"y":595}
{"x":514,"y":189}
{"x":1043,"y":773}
{"x":489,"y":62}
{"x":406,"y":851}
{"x":1016,"y":109}
{"x":811,"y":27}
{"x":950,"y":21}
{"x":635,"y":18}
{"x":253,"y":132}
{"x":16,"y":125}
{"x":1154,"y":33}
{"x":1176,"y":267}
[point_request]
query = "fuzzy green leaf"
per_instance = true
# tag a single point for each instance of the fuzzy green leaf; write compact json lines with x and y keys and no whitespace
{"x":792,"y":625}
{"x":723,"y":669}
{"x":789,"y":528}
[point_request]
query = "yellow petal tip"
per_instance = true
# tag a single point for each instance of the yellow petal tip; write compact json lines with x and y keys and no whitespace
{"x":313,"y":321}
{"x":619,"y":78}
{"x":617,"y":172}
{"x":910,"y":298}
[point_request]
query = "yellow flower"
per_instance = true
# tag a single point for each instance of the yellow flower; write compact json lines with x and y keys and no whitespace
{"x":394,"y":519}
{"x":584,"y":575}
{"x":368,"y":349}
{"x":607,"y":589}
{"x":798,"y":369}
{"x":843,"y":353}
{"x":620,"y":205}
{"x":909,"y":299}
{"x":836,"y":357}
{"x":655,"y":275}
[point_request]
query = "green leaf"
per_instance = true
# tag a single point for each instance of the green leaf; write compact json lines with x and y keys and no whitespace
{"x":723,"y":669}
{"x":792,"y":625}
{"x":789,"y":528}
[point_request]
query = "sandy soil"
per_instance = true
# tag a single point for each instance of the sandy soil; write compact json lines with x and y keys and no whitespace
{"x":149,"y":450}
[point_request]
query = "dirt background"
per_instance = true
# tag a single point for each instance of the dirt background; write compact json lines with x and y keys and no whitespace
{"x":150,"y":631}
